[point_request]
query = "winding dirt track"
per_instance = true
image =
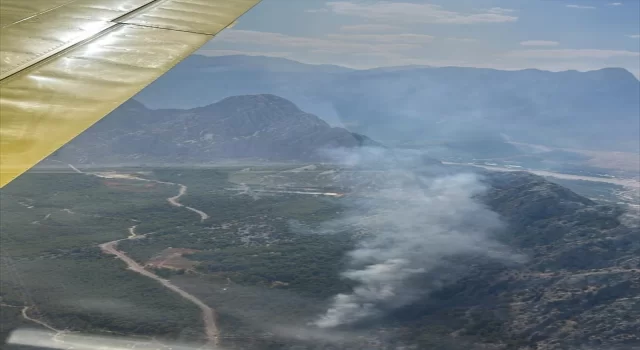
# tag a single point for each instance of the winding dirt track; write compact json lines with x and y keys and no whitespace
{"x":208,"y":314}
{"x":174,"y":200}
{"x":26,"y":316}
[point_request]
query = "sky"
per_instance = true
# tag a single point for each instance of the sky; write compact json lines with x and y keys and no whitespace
{"x":551,"y":35}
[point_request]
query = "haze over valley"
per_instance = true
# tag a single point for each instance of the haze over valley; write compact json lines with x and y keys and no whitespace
{"x":454,"y":107}
{"x":451,"y":175}
{"x":251,"y":224}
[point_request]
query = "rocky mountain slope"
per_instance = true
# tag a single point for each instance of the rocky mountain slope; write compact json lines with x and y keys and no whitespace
{"x":252,"y":127}
{"x":578,"y":288}
{"x":590,"y":110}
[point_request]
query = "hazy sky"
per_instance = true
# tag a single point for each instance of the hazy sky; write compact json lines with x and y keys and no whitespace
{"x":505,"y":34}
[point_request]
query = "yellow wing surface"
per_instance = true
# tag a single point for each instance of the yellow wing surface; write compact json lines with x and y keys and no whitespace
{"x":67,"y":63}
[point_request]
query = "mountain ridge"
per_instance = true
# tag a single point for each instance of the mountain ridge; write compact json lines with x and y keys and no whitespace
{"x":259,"y":127}
{"x":559,"y":109}
{"x":273,"y":59}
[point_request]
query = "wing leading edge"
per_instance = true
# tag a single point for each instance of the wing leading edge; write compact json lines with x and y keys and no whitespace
{"x":65,"y":64}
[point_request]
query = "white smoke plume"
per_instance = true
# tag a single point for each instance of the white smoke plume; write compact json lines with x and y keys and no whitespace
{"x":412,"y":224}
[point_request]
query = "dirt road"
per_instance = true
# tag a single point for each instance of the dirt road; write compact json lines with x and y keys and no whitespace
{"x":208,"y":314}
{"x":25,"y":315}
{"x":172,"y":200}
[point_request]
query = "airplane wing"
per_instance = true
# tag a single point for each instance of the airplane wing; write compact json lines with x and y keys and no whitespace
{"x":67,"y":63}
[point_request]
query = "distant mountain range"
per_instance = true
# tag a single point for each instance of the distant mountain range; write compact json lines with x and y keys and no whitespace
{"x":250,"y":127}
{"x":423,"y":106}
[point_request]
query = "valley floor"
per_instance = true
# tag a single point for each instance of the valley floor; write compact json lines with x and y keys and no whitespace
{"x":247,"y":243}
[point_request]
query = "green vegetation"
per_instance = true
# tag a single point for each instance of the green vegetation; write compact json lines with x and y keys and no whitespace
{"x":53,"y":223}
{"x":260,"y":262}
{"x":51,"y":226}
{"x":308,"y":265}
{"x":87,"y":290}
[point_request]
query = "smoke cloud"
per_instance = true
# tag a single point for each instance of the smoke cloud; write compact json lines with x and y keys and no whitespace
{"x":414,"y":221}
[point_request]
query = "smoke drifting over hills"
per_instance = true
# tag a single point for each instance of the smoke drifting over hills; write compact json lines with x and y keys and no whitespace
{"x":414,"y":226}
